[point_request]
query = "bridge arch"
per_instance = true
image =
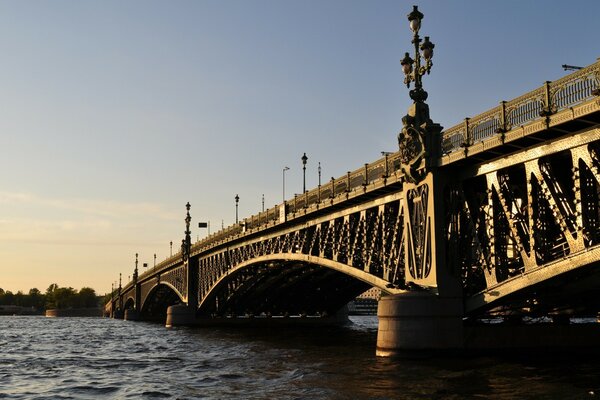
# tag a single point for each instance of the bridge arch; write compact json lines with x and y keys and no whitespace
{"x":287,"y":283}
{"x":129,"y":303}
{"x":160,"y":297}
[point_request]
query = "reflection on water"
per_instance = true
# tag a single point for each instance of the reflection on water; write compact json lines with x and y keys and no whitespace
{"x":87,"y":358}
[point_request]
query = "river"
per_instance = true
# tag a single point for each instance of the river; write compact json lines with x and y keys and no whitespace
{"x":95,"y":358}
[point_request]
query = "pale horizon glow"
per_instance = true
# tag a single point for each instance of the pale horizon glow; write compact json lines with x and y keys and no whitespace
{"x":115,"y":114}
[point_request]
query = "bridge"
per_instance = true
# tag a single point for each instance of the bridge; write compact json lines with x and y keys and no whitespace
{"x":496,"y":217}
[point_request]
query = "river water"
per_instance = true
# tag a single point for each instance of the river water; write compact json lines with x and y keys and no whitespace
{"x":95,"y":358}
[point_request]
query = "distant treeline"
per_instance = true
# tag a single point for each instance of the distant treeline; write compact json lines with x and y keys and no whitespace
{"x":55,"y":297}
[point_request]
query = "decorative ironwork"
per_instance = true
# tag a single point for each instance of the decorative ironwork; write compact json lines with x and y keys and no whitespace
{"x":418,"y":230}
{"x":573,"y":89}
{"x":530,"y":213}
{"x":411,"y":141}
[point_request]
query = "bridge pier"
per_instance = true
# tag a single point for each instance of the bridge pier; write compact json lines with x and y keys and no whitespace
{"x":419,"y":321}
{"x":180,"y":315}
{"x":131,"y":315}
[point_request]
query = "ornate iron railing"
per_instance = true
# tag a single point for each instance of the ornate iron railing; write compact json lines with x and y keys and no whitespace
{"x":544,"y":101}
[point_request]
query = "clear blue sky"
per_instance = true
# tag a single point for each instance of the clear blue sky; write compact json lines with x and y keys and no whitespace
{"x":114,"y":114}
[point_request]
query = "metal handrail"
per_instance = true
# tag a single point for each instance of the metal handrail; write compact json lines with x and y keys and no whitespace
{"x":570,"y":90}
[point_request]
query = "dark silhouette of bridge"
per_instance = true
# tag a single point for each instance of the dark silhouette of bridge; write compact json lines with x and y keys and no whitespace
{"x":498,"y":216}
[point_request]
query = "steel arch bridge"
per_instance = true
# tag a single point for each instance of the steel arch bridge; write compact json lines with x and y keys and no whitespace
{"x":503,"y":212}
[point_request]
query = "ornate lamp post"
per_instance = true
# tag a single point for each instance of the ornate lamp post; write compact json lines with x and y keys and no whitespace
{"x":135,"y":271}
{"x":188,"y":239}
{"x":171,"y":244}
{"x":304,"y":160}
{"x":284,"y":169}
{"x":419,"y":136}
{"x":237,"y":200}
{"x":415,"y":74}
{"x":319,"y":169}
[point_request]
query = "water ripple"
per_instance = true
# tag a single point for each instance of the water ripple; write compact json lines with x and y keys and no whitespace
{"x":87,"y":358}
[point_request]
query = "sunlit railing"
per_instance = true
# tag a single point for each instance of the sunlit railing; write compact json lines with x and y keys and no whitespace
{"x":385,"y":167}
{"x":552,"y":97}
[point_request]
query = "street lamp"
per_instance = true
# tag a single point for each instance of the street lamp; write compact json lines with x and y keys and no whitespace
{"x":237,"y":200}
{"x":154,"y":260}
{"x":304,"y":159}
{"x":414,"y":74}
{"x":188,"y":239}
{"x":319,"y":169}
{"x":284,"y":169}
{"x":171,"y":244}
{"x":263,"y":202}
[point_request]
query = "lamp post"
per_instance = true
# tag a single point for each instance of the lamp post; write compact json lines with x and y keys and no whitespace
{"x":154,"y":260}
{"x":319,"y":169}
{"x":237,"y":201}
{"x":263,"y":202}
{"x":414,"y":74}
{"x":284,"y":169}
{"x":304,"y":159}
{"x":171,"y":244}
{"x":188,"y":239}
{"x":419,"y":139}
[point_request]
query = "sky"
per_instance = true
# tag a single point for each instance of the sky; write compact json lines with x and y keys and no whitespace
{"x":114,"y":114}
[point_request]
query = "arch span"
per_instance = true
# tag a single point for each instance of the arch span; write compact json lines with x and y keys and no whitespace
{"x":159,"y":298}
{"x":129,"y":304}
{"x":287,"y":283}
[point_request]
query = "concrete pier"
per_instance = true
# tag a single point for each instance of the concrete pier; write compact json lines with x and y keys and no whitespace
{"x":131,"y":315}
{"x":419,"y":321}
{"x":180,"y":315}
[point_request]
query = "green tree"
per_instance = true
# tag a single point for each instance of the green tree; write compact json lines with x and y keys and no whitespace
{"x":36,"y":299}
{"x":87,"y":297}
{"x":7,"y":298}
{"x":19,"y":299}
{"x":50,"y":296}
{"x":64,"y":297}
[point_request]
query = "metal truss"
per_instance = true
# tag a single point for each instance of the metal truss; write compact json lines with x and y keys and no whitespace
{"x":364,"y":243}
{"x":525,"y":218}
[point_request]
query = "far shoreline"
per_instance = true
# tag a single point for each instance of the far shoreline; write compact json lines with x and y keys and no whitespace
{"x":74,"y":312}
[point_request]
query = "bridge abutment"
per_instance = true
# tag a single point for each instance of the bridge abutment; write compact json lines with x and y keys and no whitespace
{"x":419,"y":321}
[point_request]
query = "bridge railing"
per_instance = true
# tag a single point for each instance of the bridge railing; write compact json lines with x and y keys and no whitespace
{"x":553,"y":96}
{"x":353,"y":180}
